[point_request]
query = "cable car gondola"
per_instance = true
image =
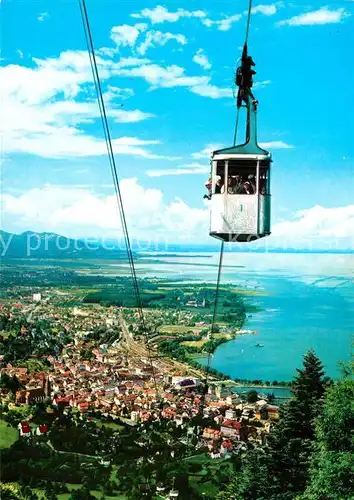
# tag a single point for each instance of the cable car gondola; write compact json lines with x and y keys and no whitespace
{"x":240,"y":190}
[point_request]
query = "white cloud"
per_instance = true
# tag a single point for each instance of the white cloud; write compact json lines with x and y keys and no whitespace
{"x":224,"y":24}
{"x":46,"y":106}
{"x":126,"y":62}
{"x":73,"y":112}
{"x":78,"y":211}
{"x":126,"y":35}
{"x":133,"y":116}
{"x":209,"y":90}
{"x":160,"y":14}
{"x":319,"y":222}
{"x":207,"y":151}
{"x":157,"y":38}
{"x":174,"y":76}
{"x":267,"y":10}
{"x":113,"y":93}
{"x":324,"y":15}
{"x":201,"y":58}
{"x":207,"y":22}
{"x":46,"y":78}
{"x":42,"y":16}
{"x":261,"y":84}
{"x":187,"y":169}
{"x":20,"y":53}
{"x":106,"y":51}
{"x":275,"y":145}
{"x":65,"y":143}
{"x":82,"y":212}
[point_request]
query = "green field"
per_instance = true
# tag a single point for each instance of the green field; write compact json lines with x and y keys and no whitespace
{"x":71,"y":487}
{"x":97,"y":494}
{"x":178,"y":329}
{"x":201,"y":480}
{"x":111,"y":425}
{"x":8,"y":435}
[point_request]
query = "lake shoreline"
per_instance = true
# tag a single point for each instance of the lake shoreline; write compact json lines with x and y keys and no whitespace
{"x":298,"y":297}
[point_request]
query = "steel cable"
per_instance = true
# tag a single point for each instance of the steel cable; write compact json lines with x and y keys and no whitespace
{"x":108,"y":140}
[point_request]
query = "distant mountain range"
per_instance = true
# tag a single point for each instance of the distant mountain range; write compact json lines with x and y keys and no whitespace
{"x":31,"y":244}
{"x":53,"y":246}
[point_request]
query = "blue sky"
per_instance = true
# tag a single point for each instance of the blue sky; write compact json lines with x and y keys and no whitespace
{"x":167,"y":71}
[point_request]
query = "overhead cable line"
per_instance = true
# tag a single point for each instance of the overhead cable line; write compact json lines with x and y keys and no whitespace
{"x":106,"y":131}
{"x":108,"y":140}
{"x":248,"y":20}
{"x":213,"y":323}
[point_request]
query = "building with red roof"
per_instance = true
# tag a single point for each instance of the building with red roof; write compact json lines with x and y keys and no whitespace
{"x":42,"y":429}
{"x":231,"y":428}
{"x":25,"y":429}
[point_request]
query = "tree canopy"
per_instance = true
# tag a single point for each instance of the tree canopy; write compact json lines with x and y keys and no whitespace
{"x":332,"y":464}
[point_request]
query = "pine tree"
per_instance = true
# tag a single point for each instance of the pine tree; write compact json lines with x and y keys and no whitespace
{"x":288,"y":450}
{"x":332,"y":464}
{"x":282,"y":472}
{"x":308,"y":388}
{"x":252,"y":482}
{"x":290,"y":443}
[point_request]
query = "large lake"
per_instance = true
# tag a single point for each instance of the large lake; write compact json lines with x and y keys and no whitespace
{"x":306,"y":300}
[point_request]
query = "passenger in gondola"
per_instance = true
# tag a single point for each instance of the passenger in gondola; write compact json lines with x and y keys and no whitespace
{"x":220,"y":185}
{"x":239,"y":185}
{"x":250,"y":185}
{"x":230,"y":185}
{"x":236,"y":185}
{"x":208,"y":185}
